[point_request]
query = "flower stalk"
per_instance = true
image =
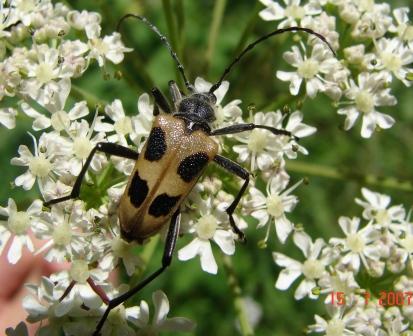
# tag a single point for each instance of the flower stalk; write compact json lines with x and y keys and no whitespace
{"x":348,"y":175}
{"x":239,"y":303}
{"x":217,"y":15}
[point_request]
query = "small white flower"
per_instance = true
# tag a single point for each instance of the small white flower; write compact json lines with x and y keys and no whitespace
{"x":33,"y":12}
{"x":8,"y":117}
{"x":393,"y":57}
{"x":74,"y":286}
{"x":374,"y":22}
{"x":393,"y":322}
{"x":87,"y":21}
{"x":160,"y":321}
{"x":358,"y":244}
{"x":81,"y":144}
{"x":310,"y":70}
{"x":325,"y":25}
{"x":312,"y":269}
{"x":260,"y":146}
{"x":8,"y":17}
{"x":117,"y":321}
{"x":343,"y":282}
{"x":355,"y":54}
{"x":376,"y":208}
{"x":53,"y":28}
{"x":40,"y":165}
{"x":274,"y":205}
{"x":338,"y":324}
{"x":405,"y":241}
{"x":44,"y":304}
{"x":84,"y":321}
{"x":405,"y":284}
{"x":52,"y":190}
{"x":396,"y":262}
{"x":10,"y":79}
{"x":122,"y":124}
{"x":212,"y":225}
{"x":54,"y":103}
{"x":62,"y":233}
{"x":369,"y":93}
{"x":17,"y":226}
{"x":404,"y":27}
{"x":291,"y":15}
{"x":73,"y":55}
{"x":43,"y":71}
{"x":367,"y":321}
{"x":298,"y":129}
{"x":120,"y":249}
{"x":142,"y":124}
{"x":110,"y":47}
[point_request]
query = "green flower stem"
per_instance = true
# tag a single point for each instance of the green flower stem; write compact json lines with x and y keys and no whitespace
{"x":281,"y":101}
{"x":33,"y":104}
{"x":146,"y":255}
{"x":150,"y":249}
{"x":173,"y":34}
{"x":345,"y":175}
{"x":91,"y":100}
{"x":170,"y":21}
{"x":248,"y":29}
{"x":135,"y":73}
{"x":217,"y":15}
{"x":180,"y":15}
{"x":239,"y":304}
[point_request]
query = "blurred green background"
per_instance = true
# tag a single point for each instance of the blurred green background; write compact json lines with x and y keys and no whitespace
{"x":193,"y":293}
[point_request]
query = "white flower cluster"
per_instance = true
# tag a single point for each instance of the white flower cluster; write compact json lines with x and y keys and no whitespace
{"x":349,"y":272}
{"x":38,"y":59}
{"x":37,"y":64}
{"x":86,"y":232}
{"x":374,"y":47}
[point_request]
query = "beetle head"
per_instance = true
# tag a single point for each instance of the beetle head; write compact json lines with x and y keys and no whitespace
{"x":199,"y":104}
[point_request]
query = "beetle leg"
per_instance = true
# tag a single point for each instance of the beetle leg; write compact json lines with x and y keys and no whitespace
{"x":160,"y":101}
{"x":170,"y":243}
{"x":236,"y":169}
{"x":105,"y":147}
{"x":175,"y":93}
{"x":248,"y":127}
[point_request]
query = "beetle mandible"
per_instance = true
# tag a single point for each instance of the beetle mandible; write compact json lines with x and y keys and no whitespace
{"x":177,"y":151}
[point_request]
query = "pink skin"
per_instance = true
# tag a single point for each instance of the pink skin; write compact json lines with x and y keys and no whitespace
{"x":29,"y":269}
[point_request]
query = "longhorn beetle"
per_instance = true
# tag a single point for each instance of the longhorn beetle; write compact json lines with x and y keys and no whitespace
{"x":178,"y":149}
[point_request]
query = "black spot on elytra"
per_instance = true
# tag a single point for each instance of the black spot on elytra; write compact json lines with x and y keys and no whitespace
{"x":138,"y":190}
{"x":192,"y":165}
{"x":162,"y":205}
{"x":156,"y":146}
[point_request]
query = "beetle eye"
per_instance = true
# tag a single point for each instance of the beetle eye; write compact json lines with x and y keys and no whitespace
{"x":212,"y":97}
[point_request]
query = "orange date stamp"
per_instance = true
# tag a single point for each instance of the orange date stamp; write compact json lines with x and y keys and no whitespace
{"x":384,"y":299}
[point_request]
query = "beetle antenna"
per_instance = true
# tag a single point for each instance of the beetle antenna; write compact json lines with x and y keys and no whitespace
{"x":164,"y":41}
{"x":263,"y":38}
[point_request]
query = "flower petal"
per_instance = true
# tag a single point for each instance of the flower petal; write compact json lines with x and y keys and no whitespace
{"x":161,"y":303}
{"x":286,"y":278}
{"x":225,"y":241}
{"x":15,"y":250}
